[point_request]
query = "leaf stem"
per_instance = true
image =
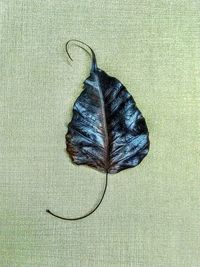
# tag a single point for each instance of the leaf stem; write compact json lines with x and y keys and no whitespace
{"x":87,"y":214}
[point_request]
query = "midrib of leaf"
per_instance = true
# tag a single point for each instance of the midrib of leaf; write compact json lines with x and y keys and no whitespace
{"x":105,"y":127}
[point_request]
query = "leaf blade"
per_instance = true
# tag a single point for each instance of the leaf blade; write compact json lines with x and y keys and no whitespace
{"x":112,"y":122}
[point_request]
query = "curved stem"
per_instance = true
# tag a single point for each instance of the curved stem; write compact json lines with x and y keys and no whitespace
{"x":87,"y":214}
{"x":94,"y":62}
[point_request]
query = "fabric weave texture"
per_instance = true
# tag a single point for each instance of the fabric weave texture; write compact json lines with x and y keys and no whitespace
{"x":150,"y":214}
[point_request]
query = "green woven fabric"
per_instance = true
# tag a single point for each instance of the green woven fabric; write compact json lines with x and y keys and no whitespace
{"x":150,"y":216}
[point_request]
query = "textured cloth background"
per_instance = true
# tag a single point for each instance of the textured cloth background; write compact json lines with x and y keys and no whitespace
{"x":150,"y":216}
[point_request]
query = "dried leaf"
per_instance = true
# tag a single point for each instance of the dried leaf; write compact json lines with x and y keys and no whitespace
{"x":107,"y":131}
